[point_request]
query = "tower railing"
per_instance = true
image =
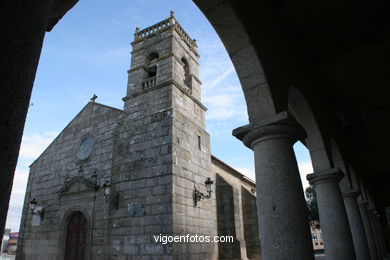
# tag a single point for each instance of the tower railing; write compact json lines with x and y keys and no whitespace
{"x":185,"y":36}
{"x":149,"y":83}
{"x":163,"y":25}
{"x":152,"y":29}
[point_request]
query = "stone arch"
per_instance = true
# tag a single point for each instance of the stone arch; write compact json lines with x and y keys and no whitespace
{"x":303,"y":114}
{"x":243,"y":54}
{"x":152,"y":57}
{"x":63,"y":225}
{"x":349,"y":182}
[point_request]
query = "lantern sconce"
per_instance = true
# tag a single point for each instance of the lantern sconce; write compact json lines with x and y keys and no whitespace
{"x":199,"y":195}
{"x":107,"y":194}
{"x":33,"y":204}
{"x":107,"y":190}
{"x":36,"y":209}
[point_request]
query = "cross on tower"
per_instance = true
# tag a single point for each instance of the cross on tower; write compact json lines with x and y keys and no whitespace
{"x":94,"y":98}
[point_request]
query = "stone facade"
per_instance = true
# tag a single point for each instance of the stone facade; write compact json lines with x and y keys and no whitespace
{"x":271,"y":58}
{"x":152,"y":154}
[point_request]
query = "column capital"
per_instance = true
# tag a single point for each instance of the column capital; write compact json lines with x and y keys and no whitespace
{"x":280,"y":125}
{"x":372,"y":210}
{"x":363,"y":204}
{"x":351,"y":195}
{"x":331,"y":175}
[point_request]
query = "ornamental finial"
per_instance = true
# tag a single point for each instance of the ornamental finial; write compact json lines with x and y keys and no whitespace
{"x":172,"y":13}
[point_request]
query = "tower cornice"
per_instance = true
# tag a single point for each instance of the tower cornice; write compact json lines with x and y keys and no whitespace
{"x":165,"y":25}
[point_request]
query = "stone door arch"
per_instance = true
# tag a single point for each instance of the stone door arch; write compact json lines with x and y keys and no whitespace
{"x":75,"y":237}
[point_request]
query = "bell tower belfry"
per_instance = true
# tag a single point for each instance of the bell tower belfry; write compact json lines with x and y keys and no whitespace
{"x":163,"y":55}
{"x":167,"y":143}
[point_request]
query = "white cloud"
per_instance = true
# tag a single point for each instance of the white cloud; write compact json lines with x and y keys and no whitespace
{"x":32,"y":146}
{"x":17,"y":199}
{"x":248,"y":172}
{"x":215,"y":81}
{"x":221,"y":91}
{"x":305,"y":168}
{"x":225,"y":106}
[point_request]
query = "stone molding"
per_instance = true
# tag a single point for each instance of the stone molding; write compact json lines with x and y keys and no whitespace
{"x":351,"y":195}
{"x":196,"y":78}
{"x":165,"y":25}
{"x":137,"y":68}
{"x":363,"y":204}
{"x":331,"y":175}
{"x":280,"y":125}
{"x":164,"y":84}
{"x":78,"y":179}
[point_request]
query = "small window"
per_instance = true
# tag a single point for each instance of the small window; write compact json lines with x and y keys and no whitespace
{"x":152,"y":71}
{"x":85,"y":148}
{"x":199,"y":143}
{"x":186,"y":69}
{"x":152,"y":65}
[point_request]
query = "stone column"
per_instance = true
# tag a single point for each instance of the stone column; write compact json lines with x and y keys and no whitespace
{"x":382,"y":239}
{"x":374,"y":227}
{"x":283,"y":223}
{"x":333,"y":217}
{"x":356,"y":225}
{"x":368,"y":229}
{"x":380,"y":234}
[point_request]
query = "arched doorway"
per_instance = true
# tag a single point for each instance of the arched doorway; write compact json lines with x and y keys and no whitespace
{"x":76,"y":233}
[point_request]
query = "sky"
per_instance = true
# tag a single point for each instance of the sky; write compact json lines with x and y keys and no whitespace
{"x":88,"y":52}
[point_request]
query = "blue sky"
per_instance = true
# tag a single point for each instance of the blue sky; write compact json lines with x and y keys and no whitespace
{"x":88,"y":52}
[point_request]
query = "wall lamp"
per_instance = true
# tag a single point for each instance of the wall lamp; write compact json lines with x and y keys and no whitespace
{"x":106,"y":187}
{"x":107,"y":190}
{"x":33,"y":204}
{"x":199,"y":195}
{"x":35,"y":209}
{"x":107,"y":194}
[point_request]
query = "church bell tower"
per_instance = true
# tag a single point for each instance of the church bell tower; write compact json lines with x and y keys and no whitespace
{"x":163,"y":55}
{"x":168,"y":144}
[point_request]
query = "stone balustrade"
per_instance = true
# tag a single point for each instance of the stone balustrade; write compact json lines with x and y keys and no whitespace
{"x":153,"y":29}
{"x":163,"y":25}
{"x":185,"y":36}
{"x":149,"y":83}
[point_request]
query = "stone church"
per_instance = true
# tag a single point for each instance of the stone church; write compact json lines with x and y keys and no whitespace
{"x":113,"y":179}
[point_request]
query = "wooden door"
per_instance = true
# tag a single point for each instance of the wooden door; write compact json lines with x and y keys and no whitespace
{"x":76,"y":237}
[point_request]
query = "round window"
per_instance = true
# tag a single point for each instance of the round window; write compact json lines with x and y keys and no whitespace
{"x":85,"y":149}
